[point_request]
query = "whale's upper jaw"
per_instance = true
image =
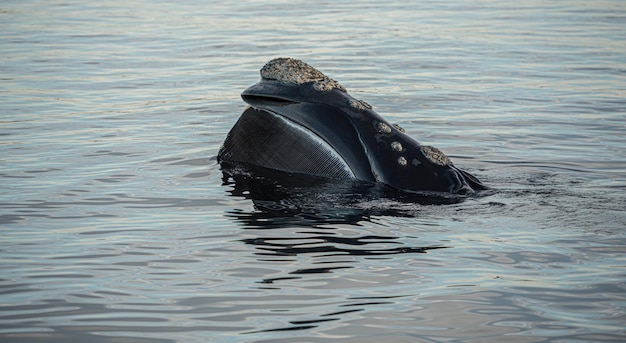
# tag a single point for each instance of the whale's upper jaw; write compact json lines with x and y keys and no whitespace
{"x":269,"y":93}
{"x":285,"y":80}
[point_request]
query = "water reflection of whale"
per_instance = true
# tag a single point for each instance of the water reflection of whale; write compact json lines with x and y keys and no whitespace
{"x":315,"y":205}
{"x":305,"y":229}
{"x":286,"y":199}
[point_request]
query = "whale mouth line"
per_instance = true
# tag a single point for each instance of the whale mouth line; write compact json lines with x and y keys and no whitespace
{"x":266,"y":100}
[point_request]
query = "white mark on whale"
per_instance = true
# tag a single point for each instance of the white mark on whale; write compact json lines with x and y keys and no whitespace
{"x":295,"y":72}
{"x":435,"y":155}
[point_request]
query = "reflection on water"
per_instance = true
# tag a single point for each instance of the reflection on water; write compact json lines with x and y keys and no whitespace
{"x":282,"y":199}
{"x":314,"y":207}
{"x":327,"y":245}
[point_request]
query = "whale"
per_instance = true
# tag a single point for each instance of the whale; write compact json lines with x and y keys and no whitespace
{"x":301,"y":122}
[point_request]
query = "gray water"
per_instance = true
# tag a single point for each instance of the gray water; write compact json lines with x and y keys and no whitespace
{"x":117,"y":225}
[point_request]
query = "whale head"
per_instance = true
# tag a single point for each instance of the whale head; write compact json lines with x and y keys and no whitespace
{"x":301,"y":121}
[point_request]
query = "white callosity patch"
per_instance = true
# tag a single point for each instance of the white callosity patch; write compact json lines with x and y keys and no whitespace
{"x":383,"y":128}
{"x":396,"y":146}
{"x":435,"y":155}
{"x":359,"y":105}
{"x":398,"y":127}
{"x":402,"y":161}
{"x":295,"y":72}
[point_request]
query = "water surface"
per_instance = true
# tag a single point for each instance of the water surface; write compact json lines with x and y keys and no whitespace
{"x":117,"y":224}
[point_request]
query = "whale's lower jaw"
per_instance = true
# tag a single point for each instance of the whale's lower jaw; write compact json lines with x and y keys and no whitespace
{"x":269,"y":140}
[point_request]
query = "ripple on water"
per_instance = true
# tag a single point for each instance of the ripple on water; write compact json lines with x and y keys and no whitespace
{"x":118,"y":224}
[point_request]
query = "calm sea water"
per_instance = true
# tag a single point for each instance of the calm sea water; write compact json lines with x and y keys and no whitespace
{"x":117,"y":226}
